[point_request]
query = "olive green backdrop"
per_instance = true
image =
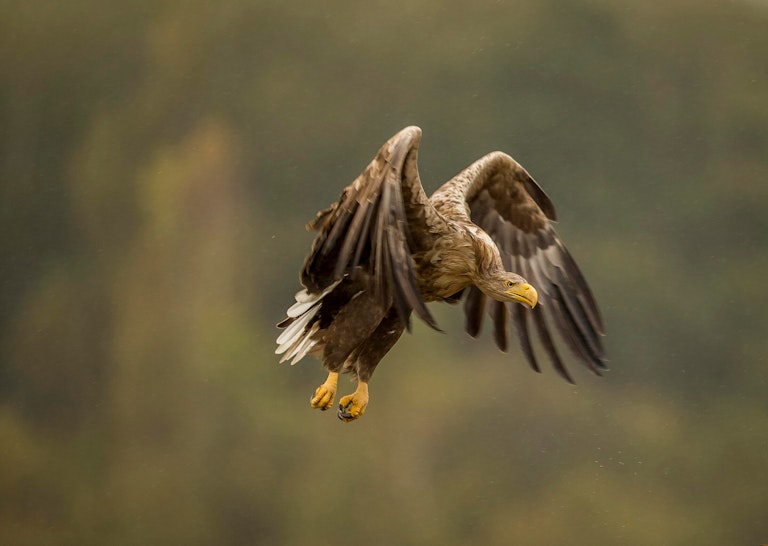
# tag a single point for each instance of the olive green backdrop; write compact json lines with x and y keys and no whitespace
{"x":158,"y":161}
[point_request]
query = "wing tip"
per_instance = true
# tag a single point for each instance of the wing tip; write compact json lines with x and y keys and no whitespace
{"x":414,"y":131}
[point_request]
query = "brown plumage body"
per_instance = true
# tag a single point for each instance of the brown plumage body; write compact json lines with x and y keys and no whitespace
{"x":385,"y":249}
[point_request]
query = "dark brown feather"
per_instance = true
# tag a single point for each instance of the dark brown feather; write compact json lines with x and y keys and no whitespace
{"x":549,"y":346}
{"x":520,"y":317}
{"x":474,"y":310}
{"x":499,"y":315}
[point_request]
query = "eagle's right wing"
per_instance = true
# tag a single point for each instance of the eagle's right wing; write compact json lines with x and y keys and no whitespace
{"x":377,"y":224}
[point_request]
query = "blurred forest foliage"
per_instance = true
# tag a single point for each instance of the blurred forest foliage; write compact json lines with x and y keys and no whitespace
{"x":158,"y":161}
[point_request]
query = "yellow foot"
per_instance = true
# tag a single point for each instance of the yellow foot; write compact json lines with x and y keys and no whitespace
{"x":325,"y":393}
{"x":353,"y":405}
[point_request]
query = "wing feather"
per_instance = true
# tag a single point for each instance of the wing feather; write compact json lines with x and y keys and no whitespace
{"x":520,"y":318}
{"x":549,"y":346}
{"x":474,"y":310}
{"x":499,"y":314}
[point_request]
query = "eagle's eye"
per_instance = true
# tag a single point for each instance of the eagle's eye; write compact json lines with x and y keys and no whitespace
{"x":509,"y":284}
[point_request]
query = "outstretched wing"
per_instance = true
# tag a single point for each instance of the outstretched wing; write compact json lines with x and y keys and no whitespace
{"x":510,"y":206}
{"x":376,"y":225}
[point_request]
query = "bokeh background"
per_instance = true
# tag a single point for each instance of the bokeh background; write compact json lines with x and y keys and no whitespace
{"x":158,"y":161}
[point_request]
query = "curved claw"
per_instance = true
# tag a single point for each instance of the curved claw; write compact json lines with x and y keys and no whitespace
{"x":353,"y":405}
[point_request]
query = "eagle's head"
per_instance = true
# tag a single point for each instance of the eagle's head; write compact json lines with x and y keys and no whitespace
{"x":506,"y":286}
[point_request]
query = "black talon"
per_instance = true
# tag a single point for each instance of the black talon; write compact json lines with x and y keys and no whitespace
{"x":342,"y":413}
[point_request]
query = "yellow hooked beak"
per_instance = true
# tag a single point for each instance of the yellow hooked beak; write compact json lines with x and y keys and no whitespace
{"x":524,"y":293}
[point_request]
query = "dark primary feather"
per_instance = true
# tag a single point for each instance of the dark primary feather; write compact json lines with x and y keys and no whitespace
{"x":474,"y":309}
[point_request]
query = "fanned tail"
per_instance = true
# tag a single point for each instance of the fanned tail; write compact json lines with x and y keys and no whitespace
{"x":301,"y":324}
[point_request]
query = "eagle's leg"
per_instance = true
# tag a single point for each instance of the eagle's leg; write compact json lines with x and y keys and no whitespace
{"x":367,"y":358}
{"x":356,"y":314}
{"x":324,"y":394}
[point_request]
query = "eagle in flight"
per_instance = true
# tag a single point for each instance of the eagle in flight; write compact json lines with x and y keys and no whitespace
{"x":385,"y":249}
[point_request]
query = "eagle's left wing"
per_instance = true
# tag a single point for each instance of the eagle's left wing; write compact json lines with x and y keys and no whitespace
{"x":510,"y":206}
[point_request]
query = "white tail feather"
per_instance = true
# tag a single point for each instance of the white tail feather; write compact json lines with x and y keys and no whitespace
{"x":304,"y":345}
{"x":294,"y":330}
{"x":305,"y":300}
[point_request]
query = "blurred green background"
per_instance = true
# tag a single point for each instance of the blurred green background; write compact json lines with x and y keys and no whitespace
{"x":158,"y":162}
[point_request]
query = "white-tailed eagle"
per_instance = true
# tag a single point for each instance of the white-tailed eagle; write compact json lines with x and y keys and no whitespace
{"x":385,"y":249}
